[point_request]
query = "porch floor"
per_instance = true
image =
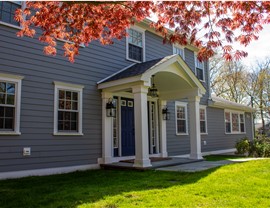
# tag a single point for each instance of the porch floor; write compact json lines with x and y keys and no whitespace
{"x":166,"y":162}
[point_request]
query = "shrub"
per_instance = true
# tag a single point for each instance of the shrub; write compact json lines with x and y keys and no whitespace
{"x":242,"y":146}
{"x":259,"y":147}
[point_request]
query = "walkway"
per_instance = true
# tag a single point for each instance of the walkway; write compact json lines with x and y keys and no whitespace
{"x":204,"y":165}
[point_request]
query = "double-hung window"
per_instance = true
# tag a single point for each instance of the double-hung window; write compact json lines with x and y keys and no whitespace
{"x":7,"y":12}
{"x":199,"y":67}
{"x":203,"y":121}
{"x":135,"y":45}
{"x":10,"y":102}
{"x":68,"y":109}
{"x":234,"y":122}
{"x":178,"y":50}
{"x":181,"y":118}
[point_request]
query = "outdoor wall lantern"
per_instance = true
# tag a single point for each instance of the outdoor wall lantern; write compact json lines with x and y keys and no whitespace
{"x":153,"y":90}
{"x":166,"y":113}
{"x":110,"y":108}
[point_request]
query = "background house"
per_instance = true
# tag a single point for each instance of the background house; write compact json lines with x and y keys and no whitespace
{"x":53,"y":113}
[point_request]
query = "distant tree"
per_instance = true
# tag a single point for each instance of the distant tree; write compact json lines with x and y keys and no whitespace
{"x":228,"y":79}
{"x":205,"y":24}
{"x":259,"y":88}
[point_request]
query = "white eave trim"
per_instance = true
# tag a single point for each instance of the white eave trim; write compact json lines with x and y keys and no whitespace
{"x":236,"y":106}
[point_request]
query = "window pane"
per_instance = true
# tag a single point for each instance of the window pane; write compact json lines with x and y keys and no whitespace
{"x":199,"y":73}
{"x":241,"y":118}
{"x":60,"y":125}
{"x":67,"y":116}
{"x":2,"y":111}
{"x":74,"y":116}
{"x":10,"y":99}
{"x":66,"y":125}
{"x":202,"y":114}
{"x":61,"y":104}
{"x":235,"y":122}
{"x":2,"y":87}
{"x":9,"y":112}
{"x":10,"y":88}
{"x":60,"y":115}
{"x":68,"y":95}
{"x":181,"y":112}
{"x":228,"y":128}
{"x":68,"y":105}
{"x":9,"y":123}
{"x":74,"y":96}
{"x":73,"y":126}
{"x":242,"y":126}
{"x":181,"y":126}
{"x":135,"y":52}
{"x":6,"y":6}
{"x":74,"y":105}
{"x":2,"y":98}
{"x":203,"y":126}
{"x":61,"y":94}
{"x":227,"y":117}
{"x":1,"y":123}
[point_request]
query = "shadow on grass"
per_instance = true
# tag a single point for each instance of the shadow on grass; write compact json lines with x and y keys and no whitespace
{"x":71,"y":190}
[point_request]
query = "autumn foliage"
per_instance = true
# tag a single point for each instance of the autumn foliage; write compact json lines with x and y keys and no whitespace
{"x":205,"y":24}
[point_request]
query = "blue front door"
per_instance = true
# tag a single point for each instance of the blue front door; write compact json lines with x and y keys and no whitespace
{"x":127,"y":127}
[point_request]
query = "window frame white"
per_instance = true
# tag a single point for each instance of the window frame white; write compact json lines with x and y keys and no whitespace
{"x":181,"y":104}
{"x":72,"y":87}
{"x":23,"y":6}
{"x":239,"y":121}
{"x":205,"y":115}
{"x":196,"y":66}
{"x":142,"y":31}
{"x":176,"y":46}
{"x":17,"y":80}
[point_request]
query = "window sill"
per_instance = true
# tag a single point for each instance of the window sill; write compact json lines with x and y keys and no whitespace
{"x":133,"y":60}
{"x":10,"y":25}
{"x":204,"y":133}
{"x":182,"y":134}
{"x":233,"y":133}
{"x":10,"y":133}
{"x":67,"y":134}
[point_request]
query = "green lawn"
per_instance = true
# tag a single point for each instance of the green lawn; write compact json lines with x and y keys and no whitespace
{"x":237,"y":185}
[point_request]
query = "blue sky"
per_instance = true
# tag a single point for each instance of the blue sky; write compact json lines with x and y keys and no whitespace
{"x":259,"y":49}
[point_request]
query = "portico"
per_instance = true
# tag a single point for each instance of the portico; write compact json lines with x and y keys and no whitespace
{"x":174,"y":81}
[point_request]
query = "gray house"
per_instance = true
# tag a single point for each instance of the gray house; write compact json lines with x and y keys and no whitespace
{"x":53,"y":114}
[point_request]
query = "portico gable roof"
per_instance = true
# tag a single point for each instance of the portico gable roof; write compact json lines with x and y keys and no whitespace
{"x":144,"y":71}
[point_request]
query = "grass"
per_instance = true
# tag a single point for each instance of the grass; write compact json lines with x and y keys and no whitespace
{"x":237,"y":185}
{"x":222,"y":157}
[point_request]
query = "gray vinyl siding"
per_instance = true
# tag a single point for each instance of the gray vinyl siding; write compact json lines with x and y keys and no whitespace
{"x":25,"y":57}
{"x":176,"y":144}
{"x":216,"y":138}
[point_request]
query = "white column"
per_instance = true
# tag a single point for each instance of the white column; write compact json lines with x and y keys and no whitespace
{"x":107,"y":143}
{"x":163,"y":130}
{"x":141,"y":127}
{"x":195,"y":135}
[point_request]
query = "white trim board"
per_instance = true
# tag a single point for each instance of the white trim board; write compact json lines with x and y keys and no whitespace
{"x":46,"y":171}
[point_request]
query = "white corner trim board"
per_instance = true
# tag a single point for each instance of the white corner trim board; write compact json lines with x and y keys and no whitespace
{"x":46,"y":171}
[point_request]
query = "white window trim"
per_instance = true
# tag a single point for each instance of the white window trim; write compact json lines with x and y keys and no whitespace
{"x":206,"y":129}
{"x":238,"y":112}
{"x":73,"y":87}
{"x":141,"y":30}
{"x":18,"y":89}
{"x":180,"y":47}
{"x":181,"y":104}
{"x":11,"y":25}
{"x":195,"y":58}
